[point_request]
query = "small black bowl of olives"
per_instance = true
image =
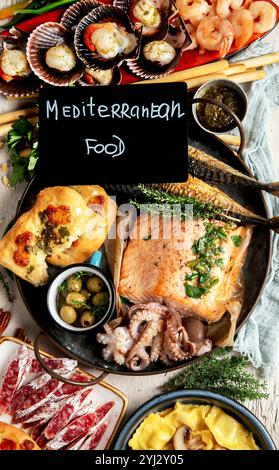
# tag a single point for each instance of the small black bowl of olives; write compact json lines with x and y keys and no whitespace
{"x":81,"y":298}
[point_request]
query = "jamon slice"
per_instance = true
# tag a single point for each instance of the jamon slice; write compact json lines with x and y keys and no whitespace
{"x":17,"y":371}
{"x":66,"y":413}
{"x":37,"y":414}
{"x":79,"y":426}
{"x":53,"y":364}
{"x":94,"y":439}
{"x":66,"y":390}
{"x":40,"y":395}
{"x":24,"y":392}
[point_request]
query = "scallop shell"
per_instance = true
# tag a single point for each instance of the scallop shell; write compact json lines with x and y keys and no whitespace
{"x":92,"y":59}
{"x":116,"y":79}
{"x":25,"y":87}
{"x":178,"y":37}
{"x":43,"y":38}
{"x":76,"y":12}
{"x":166,"y":10}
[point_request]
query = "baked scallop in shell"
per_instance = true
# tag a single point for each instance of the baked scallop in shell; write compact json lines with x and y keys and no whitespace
{"x":16,"y":77}
{"x":158,"y":58}
{"x":153,"y":15}
{"x":74,"y":14}
{"x":106,"y":37}
{"x":98,"y":77}
{"x":51,"y":55}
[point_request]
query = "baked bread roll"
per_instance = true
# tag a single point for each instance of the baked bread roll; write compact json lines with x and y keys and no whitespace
{"x":54,"y":223}
{"x":103,"y":213}
{"x":12,"y":438}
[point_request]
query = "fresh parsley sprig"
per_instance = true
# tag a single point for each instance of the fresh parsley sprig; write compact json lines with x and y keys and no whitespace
{"x":221,"y":373}
{"x":22,"y":136}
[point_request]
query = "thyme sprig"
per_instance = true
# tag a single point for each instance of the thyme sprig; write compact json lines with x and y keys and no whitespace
{"x":221,"y":373}
{"x":6,"y":287}
{"x":158,"y":200}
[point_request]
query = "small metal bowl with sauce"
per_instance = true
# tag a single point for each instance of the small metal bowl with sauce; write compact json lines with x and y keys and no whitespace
{"x":213,"y":118}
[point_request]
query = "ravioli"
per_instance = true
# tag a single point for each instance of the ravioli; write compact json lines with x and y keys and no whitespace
{"x":154,"y":433}
{"x":228,"y":432}
{"x":210,"y":429}
{"x":192,"y":416}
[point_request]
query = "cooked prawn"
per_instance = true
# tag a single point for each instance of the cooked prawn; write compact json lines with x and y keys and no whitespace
{"x":215,"y":34}
{"x":224,"y":7}
{"x":192,"y":33}
{"x":243,"y":25}
{"x":193,"y":10}
{"x":264,"y":15}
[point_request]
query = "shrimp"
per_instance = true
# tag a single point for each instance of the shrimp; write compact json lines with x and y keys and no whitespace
{"x":264,"y":15}
{"x":215,"y":34}
{"x":192,"y":33}
{"x":193,"y":10}
{"x":224,"y":7}
{"x":243,"y":25}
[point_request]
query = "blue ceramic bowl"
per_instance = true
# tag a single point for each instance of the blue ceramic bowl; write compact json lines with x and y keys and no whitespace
{"x":200,"y":397}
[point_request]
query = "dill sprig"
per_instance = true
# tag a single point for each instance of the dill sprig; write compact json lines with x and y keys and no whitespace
{"x":6,"y":287}
{"x":159,"y":199}
{"x":221,"y":373}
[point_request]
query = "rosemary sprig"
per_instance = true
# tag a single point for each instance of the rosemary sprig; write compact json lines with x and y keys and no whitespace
{"x":222,"y":373}
{"x":160,"y":199}
{"x":6,"y":287}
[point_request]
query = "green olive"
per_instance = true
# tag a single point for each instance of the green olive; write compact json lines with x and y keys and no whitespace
{"x":87,"y":319}
{"x":68,"y":314}
{"x":95,"y":284}
{"x":86,"y":293}
{"x":75,"y":299}
{"x":101,"y":299}
{"x":74,"y":284}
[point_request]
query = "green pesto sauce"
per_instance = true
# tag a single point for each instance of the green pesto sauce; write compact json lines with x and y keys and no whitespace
{"x":214,"y":118}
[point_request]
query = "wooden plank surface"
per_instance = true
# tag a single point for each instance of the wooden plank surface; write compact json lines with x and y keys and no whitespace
{"x":141,"y":389}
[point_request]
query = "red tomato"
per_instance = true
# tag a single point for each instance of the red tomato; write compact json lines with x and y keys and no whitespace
{"x":88,"y":79}
{"x":7,"y":444}
{"x":5,"y":77}
{"x":87,"y":36}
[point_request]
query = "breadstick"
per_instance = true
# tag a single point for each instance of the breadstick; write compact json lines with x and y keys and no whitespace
{"x":7,"y":127}
{"x":260,"y":61}
{"x":230,"y":139}
{"x":14,"y":115}
{"x":183,"y":75}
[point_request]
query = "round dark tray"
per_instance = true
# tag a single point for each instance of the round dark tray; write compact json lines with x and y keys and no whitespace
{"x":84,"y":347}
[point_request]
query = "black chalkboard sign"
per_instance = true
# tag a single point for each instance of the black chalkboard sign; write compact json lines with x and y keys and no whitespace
{"x":125,"y":134}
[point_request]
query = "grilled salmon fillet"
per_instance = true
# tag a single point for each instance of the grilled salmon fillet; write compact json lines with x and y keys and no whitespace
{"x":154,"y":267}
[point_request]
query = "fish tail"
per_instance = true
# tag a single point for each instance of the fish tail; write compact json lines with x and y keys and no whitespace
{"x":272,"y":188}
{"x":274,"y":224}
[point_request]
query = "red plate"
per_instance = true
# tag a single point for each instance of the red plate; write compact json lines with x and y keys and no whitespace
{"x":189,"y":59}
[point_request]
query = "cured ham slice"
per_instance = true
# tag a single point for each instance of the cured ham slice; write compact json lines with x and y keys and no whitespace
{"x":24,"y":392}
{"x":65,"y":413}
{"x":53,"y":364}
{"x":37,"y":414}
{"x":94,"y":439}
{"x":17,"y":371}
{"x":79,"y":426}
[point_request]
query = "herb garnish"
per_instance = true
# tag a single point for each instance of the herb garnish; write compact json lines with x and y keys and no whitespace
{"x":222,"y":373}
{"x":63,"y":287}
{"x":208,"y":254}
{"x":22,"y":136}
{"x":160,"y":199}
{"x":6,"y":287}
{"x":237,"y":239}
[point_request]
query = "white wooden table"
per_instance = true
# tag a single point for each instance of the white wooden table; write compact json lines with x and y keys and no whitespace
{"x":141,"y":389}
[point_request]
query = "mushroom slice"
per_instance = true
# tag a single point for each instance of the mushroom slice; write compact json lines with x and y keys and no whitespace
{"x":184,"y":440}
